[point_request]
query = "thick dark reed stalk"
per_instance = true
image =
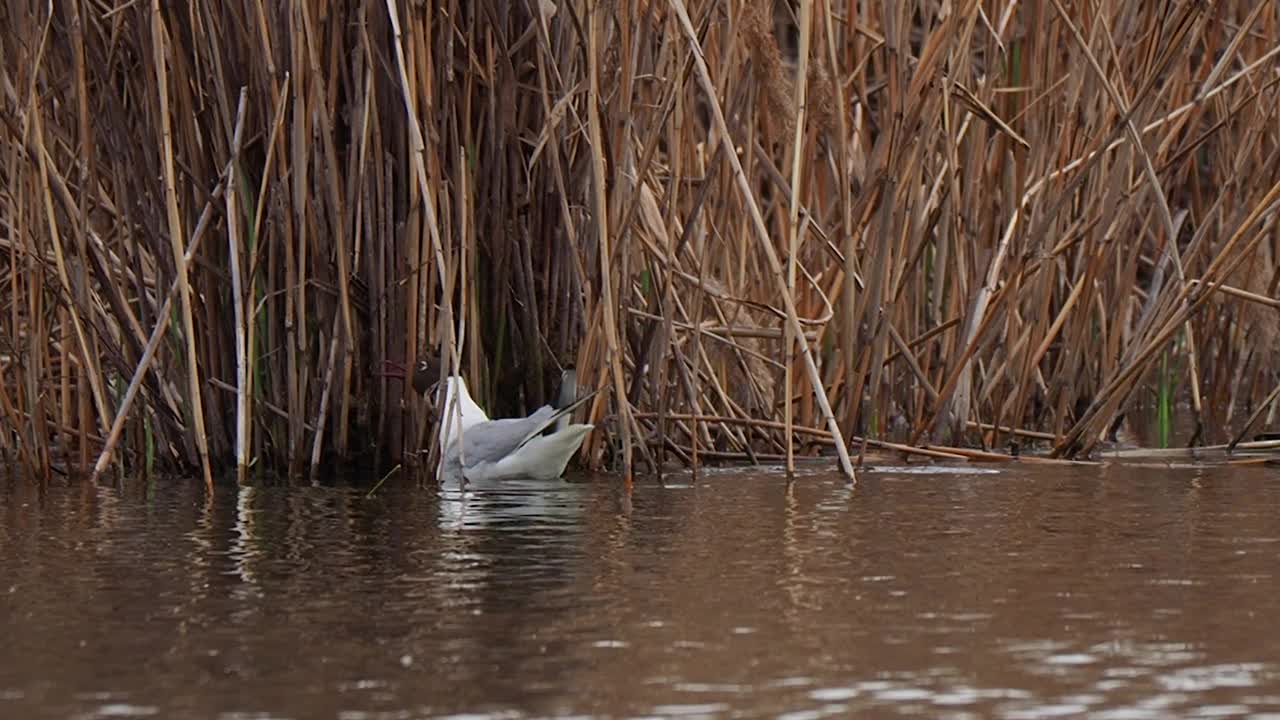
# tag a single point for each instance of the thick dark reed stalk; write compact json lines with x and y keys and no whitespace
{"x":759,"y":229}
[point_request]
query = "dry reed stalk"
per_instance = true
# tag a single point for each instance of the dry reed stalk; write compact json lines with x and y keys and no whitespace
{"x":997,"y":220}
{"x":760,"y":230}
{"x":613,"y":357}
{"x":795,"y":227}
{"x":157,"y":334}
{"x":158,"y":40}
{"x":238,"y":301}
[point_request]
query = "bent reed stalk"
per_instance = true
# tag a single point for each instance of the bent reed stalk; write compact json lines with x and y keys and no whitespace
{"x":760,"y":230}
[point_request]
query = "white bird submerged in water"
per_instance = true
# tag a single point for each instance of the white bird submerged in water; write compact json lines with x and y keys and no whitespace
{"x":510,"y":447}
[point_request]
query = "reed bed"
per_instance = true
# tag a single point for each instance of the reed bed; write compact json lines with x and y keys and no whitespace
{"x":761,"y":230}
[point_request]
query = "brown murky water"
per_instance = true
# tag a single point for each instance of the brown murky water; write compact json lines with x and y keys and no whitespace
{"x":1121,"y":591}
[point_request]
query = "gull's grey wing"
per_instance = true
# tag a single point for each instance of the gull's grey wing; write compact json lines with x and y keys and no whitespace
{"x":493,"y":440}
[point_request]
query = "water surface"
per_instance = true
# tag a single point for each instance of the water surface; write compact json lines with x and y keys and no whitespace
{"x":1113,"y":591}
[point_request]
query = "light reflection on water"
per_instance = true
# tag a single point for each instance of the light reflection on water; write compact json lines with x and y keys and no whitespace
{"x":1015,"y":592}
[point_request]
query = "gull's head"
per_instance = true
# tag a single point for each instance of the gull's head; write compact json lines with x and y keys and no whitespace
{"x":423,"y":377}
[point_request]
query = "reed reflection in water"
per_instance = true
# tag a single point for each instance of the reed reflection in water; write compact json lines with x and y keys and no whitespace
{"x":1123,"y":591}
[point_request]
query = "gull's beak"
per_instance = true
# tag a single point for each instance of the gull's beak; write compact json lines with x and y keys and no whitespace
{"x":393,"y":369}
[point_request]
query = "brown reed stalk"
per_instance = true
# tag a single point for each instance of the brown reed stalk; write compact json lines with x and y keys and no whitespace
{"x":613,"y":357}
{"x":762,"y":233}
{"x":795,"y":227}
{"x":157,"y":334}
{"x":975,"y":220}
{"x":158,"y":40}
